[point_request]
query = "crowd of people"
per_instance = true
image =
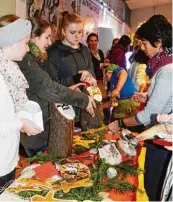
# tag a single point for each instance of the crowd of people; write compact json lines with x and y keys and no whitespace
{"x":32,"y":68}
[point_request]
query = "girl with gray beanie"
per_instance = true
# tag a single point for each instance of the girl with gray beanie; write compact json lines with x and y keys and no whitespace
{"x":14,"y":37}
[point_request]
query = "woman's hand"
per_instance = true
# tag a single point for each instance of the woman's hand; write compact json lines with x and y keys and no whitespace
{"x":30,"y":128}
{"x":87,"y":77}
{"x":115,"y":93}
{"x":140,"y":97}
{"x":167,"y":120}
{"x":76,"y":87}
{"x":91,"y":106}
{"x":113,"y":126}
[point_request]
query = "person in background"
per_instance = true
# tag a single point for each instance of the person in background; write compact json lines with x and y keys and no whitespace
{"x":122,"y":90}
{"x":42,"y":88}
{"x":117,"y":55}
{"x":96,"y":55}
{"x":157,"y":43}
{"x":137,"y":70}
{"x":14,"y":38}
{"x":69,"y":61}
{"x":114,"y":42}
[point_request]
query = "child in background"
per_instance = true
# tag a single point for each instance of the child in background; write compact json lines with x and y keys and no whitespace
{"x":122,"y":89}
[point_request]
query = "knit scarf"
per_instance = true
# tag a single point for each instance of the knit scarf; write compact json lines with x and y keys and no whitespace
{"x":161,"y":59}
{"x":35,"y":51}
{"x":15,"y":81}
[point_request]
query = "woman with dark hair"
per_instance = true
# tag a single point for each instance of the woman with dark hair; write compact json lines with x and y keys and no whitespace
{"x":96,"y":55}
{"x":156,"y":36}
{"x":117,"y":55}
{"x":137,"y":70}
{"x":41,"y":87}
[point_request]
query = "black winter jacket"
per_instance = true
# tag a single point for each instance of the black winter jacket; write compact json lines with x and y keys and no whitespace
{"x":64,"y":63}
{"x":43,"y":90}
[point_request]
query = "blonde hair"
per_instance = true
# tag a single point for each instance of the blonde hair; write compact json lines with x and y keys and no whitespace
{"x":7,"y":19}
{"x":65,"y":19}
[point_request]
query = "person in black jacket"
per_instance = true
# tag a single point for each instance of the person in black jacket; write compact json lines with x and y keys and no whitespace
{"x":42,"y":88}
{"x":69,"y":61}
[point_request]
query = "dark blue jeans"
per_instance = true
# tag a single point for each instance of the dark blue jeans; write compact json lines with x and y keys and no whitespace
{"x":32,"y":152}
{"x":156,"y":163}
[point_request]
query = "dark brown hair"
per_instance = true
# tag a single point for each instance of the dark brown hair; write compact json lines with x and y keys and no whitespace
{"x":90,"y":35}
{"x":39,"y":26}
{"x":7,"y":19}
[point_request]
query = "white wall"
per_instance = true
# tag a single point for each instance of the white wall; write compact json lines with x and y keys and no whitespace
{"x":7,"y":7}
{"x":140,"y":15}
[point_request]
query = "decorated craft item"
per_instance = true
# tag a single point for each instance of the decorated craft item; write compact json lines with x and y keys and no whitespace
{"x":110,"y":137}
{"x":77,"y":140}
{"x":111,"y":172}
{"x":89,"y":122}
{"x":74,"y":171}
{"x":65,"y":186}
{"x":95,"y":93}
{"x":61,"y":130}
{"x":20,"y":188}
{"x":155,"y":132}
{"x":125,"y":147}
{"x":45,"y":171}
{"x":110,"y":153}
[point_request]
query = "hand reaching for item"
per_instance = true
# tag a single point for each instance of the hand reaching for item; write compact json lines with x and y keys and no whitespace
{"x":167,"y":120}
{"x":76,"y":87}
{"x":115,"y":93}
{"x":91,"y":106}
{"x":30,"y":128}
{"x":87,"y":77}
{"x":113,"y":126}
{"x":140,"y":97}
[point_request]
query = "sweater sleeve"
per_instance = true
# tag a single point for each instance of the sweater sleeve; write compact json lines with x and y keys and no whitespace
{"x":14,"y":123}
{"x":6,"y":127}
{"x":160,"y":96}
{"x":45,"y":88}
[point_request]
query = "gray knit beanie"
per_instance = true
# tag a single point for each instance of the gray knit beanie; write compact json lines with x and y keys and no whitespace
{"x":14,"y":32}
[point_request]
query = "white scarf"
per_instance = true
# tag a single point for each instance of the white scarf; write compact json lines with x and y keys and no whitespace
{"x":15,"y":81}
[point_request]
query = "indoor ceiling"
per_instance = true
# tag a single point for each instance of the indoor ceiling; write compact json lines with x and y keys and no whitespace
{"x":136,"y":4}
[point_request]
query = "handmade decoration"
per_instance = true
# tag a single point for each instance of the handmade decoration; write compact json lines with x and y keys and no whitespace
{"x":88,"y":122}
{"x":20,"y":188}
{"x":61,"y":130}
{"x":95,"y":93}
{"x":45,"y":171}
{"x":74,"y":171}
{"x":65,"y":186}
{"x":126,"y":148}
{"x":77,"y":140}
{"x":110,"y":153}
{"x":111,"y":173}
